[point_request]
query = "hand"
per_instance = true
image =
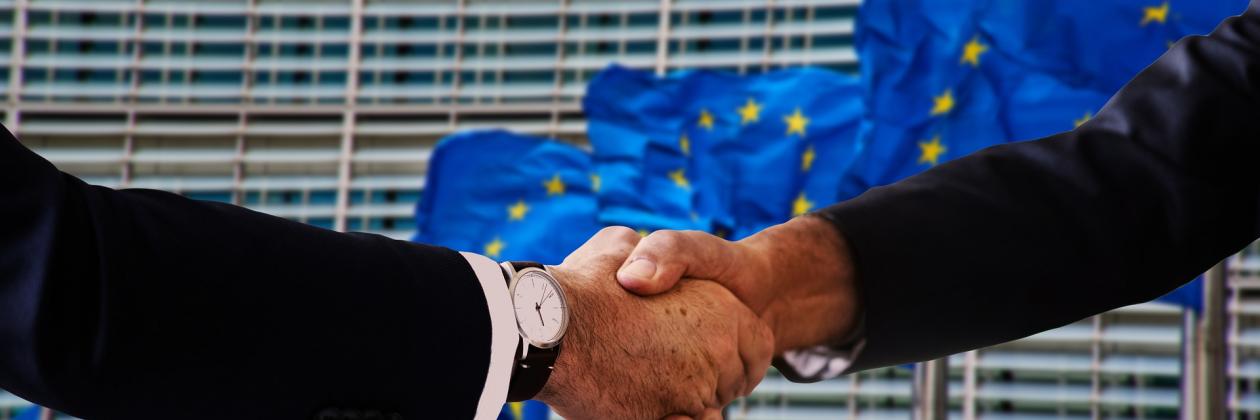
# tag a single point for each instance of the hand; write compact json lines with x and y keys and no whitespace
{"x":686,"y":353}
{"x":797,"y":276}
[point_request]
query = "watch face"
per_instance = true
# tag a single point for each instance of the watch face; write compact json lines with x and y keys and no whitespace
{"x":540,"y":308}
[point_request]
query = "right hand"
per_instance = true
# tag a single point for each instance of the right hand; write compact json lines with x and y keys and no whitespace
{"x":684,"y":354}
{"x":797,"y":276}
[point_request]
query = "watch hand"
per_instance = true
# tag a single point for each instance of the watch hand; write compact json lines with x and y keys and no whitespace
{"x":538,"y":307}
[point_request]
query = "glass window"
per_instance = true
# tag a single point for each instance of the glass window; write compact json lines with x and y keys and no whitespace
{"x":516,"y":50}
{"x":410,"y":23}
{"x":234,"y":50}
{"x":220,"y":22}
{"x":533,"y":22}
{"x":335,"y":50}
{"x":332,"y":78}
{"x":641,"y":47}
{"x":826,"y":13}
{"x":546,"y":76}
{"x":643,"y":19}
{"x":826,"y":41}
{"x":88,"y":76}
{"x":215,"y":77}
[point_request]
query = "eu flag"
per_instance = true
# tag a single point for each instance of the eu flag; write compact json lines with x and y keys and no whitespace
{"x":717,"y":151}
{"x":635,"y":122}
{"x":508,"y":197}
{"x":945,"y":78}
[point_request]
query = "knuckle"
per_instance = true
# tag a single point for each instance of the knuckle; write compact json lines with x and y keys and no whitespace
{"x":665,"y":239}
{"x":620,"y":233}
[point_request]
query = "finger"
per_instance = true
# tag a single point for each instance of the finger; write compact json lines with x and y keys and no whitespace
{"x":615,"y":239}
{"x":711,"y":414}
{"x":664,"y":257}
{"x":677,"y":417}
{"x":731,"y":375}
{"x":727,"y":347}
{"x":756,"y":350}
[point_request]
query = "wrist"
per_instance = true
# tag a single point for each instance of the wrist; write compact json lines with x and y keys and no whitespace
{"x":807,"y":271}
{"x":563,"y":375}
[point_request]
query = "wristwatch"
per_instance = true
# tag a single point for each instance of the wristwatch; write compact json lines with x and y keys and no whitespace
{"x":542,"y":317}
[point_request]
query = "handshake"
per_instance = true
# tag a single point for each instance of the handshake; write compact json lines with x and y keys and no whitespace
{"x":680,"y":323}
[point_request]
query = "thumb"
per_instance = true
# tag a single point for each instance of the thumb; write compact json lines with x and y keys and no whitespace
{"x":664,"y":257}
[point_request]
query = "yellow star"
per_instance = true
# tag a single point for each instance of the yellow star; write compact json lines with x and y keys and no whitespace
{"x":972,"y":51}
{"x":796,"y":123}
{"x":595,"y":182}
{"x":1155,"y":14}
{"x":555,"y":186}
{"x":643,"y":233}
{"x":750,"y":112}
{"x":684,"y":143}
{"x":494,"y":248}
{"x":943,"y":104}
{"x":807,"y":158}
{"x":930,"y":151}
{"x":518,"y":410}
{"x":517,"y":211}
{"x":1082,"y":120}
{"x":679,"y":178}
{"x":706,"y":119}
{"x":801,"y":205}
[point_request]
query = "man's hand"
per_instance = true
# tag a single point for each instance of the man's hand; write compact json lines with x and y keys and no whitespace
{"x":686,"y":353}
{"x":797,"y":276}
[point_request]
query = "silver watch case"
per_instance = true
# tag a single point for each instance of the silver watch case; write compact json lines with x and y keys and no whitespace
{"x":564,"y":323}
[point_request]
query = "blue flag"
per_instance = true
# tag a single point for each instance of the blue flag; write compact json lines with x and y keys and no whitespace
{"x":635,"y":123}
{"x":946,"y":78}
{"x":508,"y":197}
{"x":1189,"y":295}
{"x":717,"y":151}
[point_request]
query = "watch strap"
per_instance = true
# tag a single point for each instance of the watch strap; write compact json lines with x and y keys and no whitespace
{"x":530,"y":374}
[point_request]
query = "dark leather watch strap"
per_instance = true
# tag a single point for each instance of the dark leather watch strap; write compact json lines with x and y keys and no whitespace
{"x":521,"y":265}
{"x":529,"y":374}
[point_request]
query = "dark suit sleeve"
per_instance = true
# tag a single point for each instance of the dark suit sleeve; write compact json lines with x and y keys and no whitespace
{"x":142,"y":304}
{"x":1021,"y":238}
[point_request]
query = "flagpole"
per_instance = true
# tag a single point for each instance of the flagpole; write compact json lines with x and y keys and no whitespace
{"x":1211,"y":346}
{"x":931,"y":389}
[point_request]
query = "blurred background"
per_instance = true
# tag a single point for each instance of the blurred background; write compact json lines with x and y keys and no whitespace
{"x":328,"y":112}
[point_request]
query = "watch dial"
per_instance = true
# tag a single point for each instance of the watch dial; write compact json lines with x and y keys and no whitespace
{"x":540,"y":310}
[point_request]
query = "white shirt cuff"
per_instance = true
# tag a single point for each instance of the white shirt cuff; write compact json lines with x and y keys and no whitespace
{"x":821,"y":362}
{"x":504,"y":336}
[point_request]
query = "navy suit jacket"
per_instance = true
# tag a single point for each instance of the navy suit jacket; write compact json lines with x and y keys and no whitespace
{"x":1025,"y":237}
{"x":136,"y":304}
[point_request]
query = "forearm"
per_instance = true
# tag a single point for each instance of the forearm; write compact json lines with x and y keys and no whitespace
{"x":808,"y":260}
{"x":119,"y":299}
